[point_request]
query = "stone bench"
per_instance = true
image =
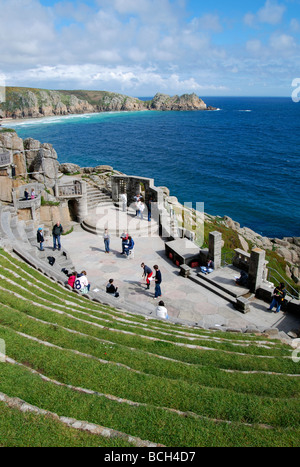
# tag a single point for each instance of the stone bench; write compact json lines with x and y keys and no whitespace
{"x":242,"y":305}
{"x":182,"y":251}
{"x":185,"y":270}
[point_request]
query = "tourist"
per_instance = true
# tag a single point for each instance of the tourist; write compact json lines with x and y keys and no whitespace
{"x":158,"y":280}
{"x":279,"y":294}
{"x":243,"y":279}
{"x":141,"y":208}
{"x":56,"y":233}
{"x":81,"y":283}
{"x":106,"y":238}
{"x":147,"y":274}
{"x":26,"y":194}
{"x":161,"y":311}
{"x":111,"y":289}
{"x":137,"y":198}
{"x":124,"y":238}
{"x":129,"y":246}
{"x":210,"y":266}
{"x":72,"y":279}
{"x":149,"y":208}
{"x":124,"y":202}
{"x":40,"y":238}
{"x":32,"y":196}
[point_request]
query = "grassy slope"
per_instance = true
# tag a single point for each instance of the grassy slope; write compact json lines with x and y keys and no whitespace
{"x":139,"y":372}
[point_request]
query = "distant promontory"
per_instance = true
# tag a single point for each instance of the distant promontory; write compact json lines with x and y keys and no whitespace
{"x":24,"y":102}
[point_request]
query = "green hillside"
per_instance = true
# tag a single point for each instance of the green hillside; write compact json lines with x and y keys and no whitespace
{"x":139,"y":379}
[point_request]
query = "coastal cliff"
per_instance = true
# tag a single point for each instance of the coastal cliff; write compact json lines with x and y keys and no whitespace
{"x":35,"y":103}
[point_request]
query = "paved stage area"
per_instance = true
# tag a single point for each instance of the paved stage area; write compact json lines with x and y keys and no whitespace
{"x":184,"y":299}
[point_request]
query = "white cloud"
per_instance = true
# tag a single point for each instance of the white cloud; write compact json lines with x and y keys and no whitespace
{"x":140,"y":47}
{"x":210,"y":22}
{"x":131,"y":79}
{"x":295,"y":25}
{"x":254,"y":46}
{"x":271,"y":13}
{"x":282,"y":42}
{"x":249,"y":19}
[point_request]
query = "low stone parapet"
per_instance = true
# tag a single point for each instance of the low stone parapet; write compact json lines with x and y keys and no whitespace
{"x":185,"y":270}
{"x":242,"y":305}
{"x":241,"y":259}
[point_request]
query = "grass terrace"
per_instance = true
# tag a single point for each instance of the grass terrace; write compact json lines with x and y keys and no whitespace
{"x":78,"y":373}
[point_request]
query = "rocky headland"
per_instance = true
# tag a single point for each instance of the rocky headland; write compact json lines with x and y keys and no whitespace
{"x":35,"y":103}
{"x":30,"y":155}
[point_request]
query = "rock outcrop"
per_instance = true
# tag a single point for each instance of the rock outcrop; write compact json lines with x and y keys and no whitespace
{"x":34,"y":103}
{"x":31,"y":156}
{"x":41,"y":160}
{"x":184,"y":102}
{"x":288,"y":248}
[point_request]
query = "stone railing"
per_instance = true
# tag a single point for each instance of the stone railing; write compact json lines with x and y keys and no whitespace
{"x":68,"y":191}
{"x":31,"y":203}
{"x":241,"y":259}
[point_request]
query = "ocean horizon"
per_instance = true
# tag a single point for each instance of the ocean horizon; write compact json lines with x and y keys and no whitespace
{"x":241,"y":160}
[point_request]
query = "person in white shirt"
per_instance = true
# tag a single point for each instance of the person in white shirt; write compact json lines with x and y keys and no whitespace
{"x":81,"y":283}
{"x":161,"y":311}
{"x":140,"y":208}
{"x":124,"y":201}
{"x":137,"y":198}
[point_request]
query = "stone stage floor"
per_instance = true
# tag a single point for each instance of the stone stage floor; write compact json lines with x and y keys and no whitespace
{"x":184,"y":299}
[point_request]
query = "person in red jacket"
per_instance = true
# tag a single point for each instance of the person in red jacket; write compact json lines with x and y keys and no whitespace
{"x":72,"y":279}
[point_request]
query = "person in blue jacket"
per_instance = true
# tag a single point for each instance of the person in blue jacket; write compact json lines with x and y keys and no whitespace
{"x":40,"y":238}
{"x":129,"y":245}
{"x":158,"y":280}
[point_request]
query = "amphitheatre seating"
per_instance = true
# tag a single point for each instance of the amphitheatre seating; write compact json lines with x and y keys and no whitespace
{"x":121,"y":379}
{"x":21,"y":238}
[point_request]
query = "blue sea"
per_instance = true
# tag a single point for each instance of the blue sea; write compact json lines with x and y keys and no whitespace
{"x":241,"y":160}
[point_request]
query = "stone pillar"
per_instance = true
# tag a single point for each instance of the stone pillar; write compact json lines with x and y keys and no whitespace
{"x":82,"y":203}
{"x":215,"y":248}
{"x":256,"y":268}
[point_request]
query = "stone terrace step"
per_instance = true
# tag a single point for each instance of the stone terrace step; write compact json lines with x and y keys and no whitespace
{"x":117,"y":221}
{"x":212,"y":288}
{"x":96,"y":197}
{"x":5,"y":224}
{"x":224,"y":280}
{"x":28,"y":255}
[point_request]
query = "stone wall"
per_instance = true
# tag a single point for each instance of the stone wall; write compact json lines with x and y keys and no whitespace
{"x":132,"y":185}
{"x":49,"y":215}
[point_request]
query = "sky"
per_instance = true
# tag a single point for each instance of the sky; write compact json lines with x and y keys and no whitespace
{"x":141,"y":47}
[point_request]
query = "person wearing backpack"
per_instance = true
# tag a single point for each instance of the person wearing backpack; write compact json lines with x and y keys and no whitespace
{"x":278,"y":297}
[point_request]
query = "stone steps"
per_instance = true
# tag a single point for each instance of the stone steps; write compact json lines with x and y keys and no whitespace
{"x":212,"y":287}
{"x":96,"y":197}
{"x":134,"y":227}
{"x":21,"y":239}
{"x":209,"y":280}
{"x":5,"y":224}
